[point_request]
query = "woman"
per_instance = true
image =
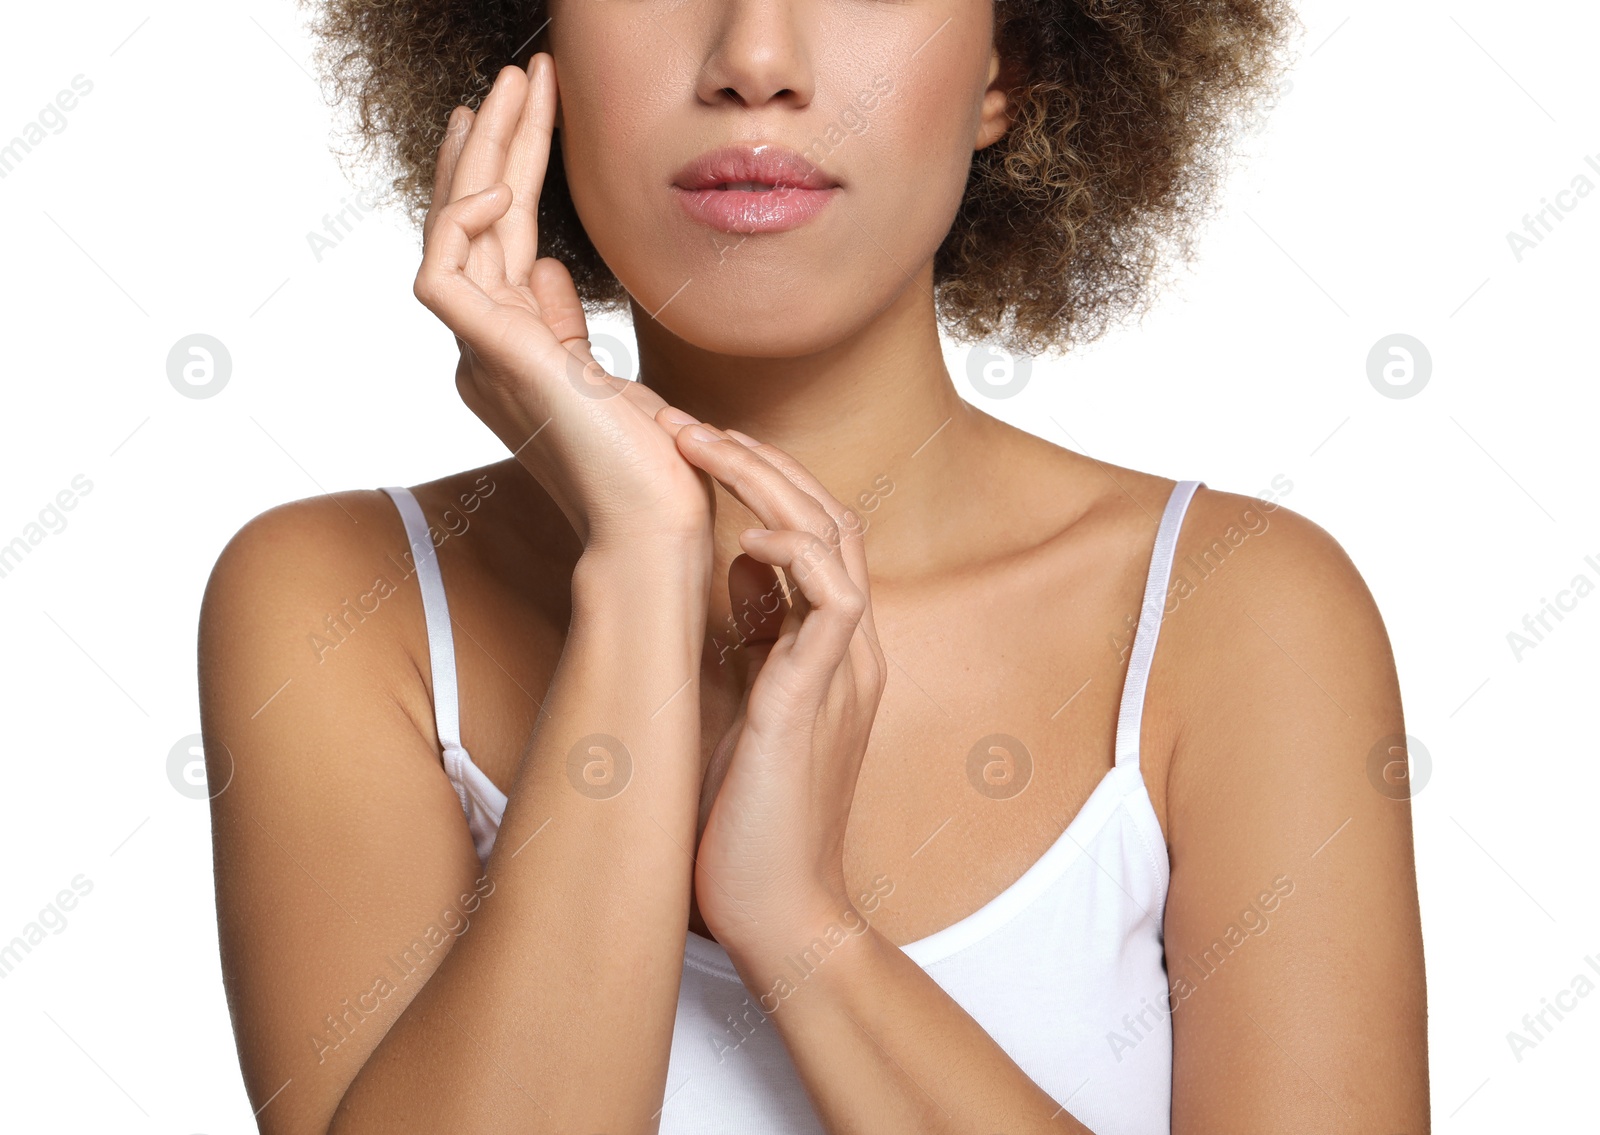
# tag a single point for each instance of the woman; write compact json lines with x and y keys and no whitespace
{"x":553,"y":806}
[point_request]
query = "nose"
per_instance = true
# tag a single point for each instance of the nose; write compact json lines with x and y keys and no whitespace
{"x":758,"y":53}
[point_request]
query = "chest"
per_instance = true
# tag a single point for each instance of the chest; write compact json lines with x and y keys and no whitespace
{"x":998,"y":721}
{"x":997,"y":724}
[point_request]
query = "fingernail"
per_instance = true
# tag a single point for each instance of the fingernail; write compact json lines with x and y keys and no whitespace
{"x":677,"y":417}
{"x":743,"y":438}
{"x":700,"y":433}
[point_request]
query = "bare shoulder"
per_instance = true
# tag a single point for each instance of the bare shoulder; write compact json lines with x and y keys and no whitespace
{"x":1253,"y":547}
{"x":311,"y":535}
{"x":329,"y":583}
{"x":298,"y":587}
{"x":1263,"y":598}
{"x":1269,"y":625}
{"x":1285,"y":823}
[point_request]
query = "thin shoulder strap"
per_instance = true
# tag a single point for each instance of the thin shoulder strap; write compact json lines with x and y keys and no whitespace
{"x":1131,"y":715}
{"x":441,"y":643}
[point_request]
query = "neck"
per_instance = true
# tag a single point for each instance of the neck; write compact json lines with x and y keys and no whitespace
{"x":874,"y":416}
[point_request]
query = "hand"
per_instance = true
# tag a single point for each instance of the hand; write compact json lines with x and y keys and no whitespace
{"x":591,"y":439}
{"x":770,"y":864}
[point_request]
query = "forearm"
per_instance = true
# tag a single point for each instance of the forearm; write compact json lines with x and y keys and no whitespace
{"x":881,"y":1047}
{"x":556,"y":1011}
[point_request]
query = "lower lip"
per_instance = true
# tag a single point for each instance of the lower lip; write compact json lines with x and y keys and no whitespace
{"x":754,"y":211}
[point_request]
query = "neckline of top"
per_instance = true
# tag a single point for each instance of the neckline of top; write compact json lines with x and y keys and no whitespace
{"x":1122,"y":781}
{"x":1121,"y":786}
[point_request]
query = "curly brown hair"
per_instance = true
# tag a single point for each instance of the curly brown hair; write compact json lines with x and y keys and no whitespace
{"x":1124,"y":118}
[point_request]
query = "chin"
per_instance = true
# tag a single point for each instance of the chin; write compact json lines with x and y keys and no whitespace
{"x":755,"y":326}
{"x":758,"y":306}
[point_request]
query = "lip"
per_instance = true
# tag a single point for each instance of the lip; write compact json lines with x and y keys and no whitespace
{"x":799,"y":191}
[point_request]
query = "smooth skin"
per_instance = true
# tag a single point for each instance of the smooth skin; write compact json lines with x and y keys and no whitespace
{"x":779,"y":767}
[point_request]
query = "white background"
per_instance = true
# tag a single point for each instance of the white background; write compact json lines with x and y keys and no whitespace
{"x":1410,"y":139}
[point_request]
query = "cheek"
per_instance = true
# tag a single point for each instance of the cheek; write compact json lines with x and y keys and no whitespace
{"x":916,"y":152}
{"x":623,"y":105}
{"x":614,"y":111}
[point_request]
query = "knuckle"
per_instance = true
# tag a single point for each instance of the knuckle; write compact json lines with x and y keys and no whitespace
{"x":813,"y":552}
{"x":743,"y":484}
{"x":880,"y":675}
{"x":852,"y":603}
{"x":450,"y":212}
{"x":870,"y":661}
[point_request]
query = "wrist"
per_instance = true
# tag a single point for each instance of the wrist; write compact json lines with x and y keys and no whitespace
{"x":637,"y":559}
{"x":656,"y":587}
{"x":805,"y":953}
{"x":823,"y":924}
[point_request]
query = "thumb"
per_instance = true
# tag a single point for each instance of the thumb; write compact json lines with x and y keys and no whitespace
{"x":553,"y":290}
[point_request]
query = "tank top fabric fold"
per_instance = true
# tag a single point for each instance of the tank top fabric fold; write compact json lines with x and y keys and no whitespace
{"x":1065,"y":968}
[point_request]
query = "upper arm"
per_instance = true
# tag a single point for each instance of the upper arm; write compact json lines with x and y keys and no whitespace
{"x":341,"y":857}
{"x":1292,"y":927}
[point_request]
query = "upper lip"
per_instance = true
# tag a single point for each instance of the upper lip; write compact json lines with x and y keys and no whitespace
{"x":765,"y":163}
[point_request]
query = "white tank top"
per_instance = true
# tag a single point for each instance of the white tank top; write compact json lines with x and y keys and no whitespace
{"x":1064,"y":968}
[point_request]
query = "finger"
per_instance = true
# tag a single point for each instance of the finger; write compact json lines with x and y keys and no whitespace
{"x":756,"y":603}
{"x":643,"y":399}
{"x":525,"y":166}
{"x":847,"y":520}
{"x":672,"y":419}
{"x":776,"y":501}
{"x":455,"y":136}
{"x":483,"y":155}
{"x":442,"y":284}
{"x":551,"y":285}
{"x":835,"y":605}
{"x":777,"y":594}
{"x":788,"y":479}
